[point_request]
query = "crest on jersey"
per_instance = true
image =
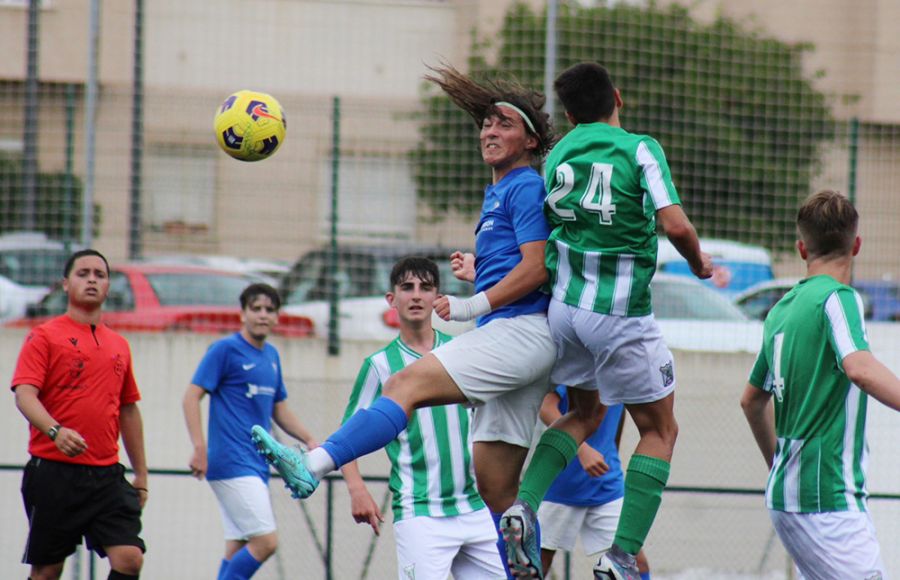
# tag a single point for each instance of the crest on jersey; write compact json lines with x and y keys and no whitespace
{"x":668,"y":376}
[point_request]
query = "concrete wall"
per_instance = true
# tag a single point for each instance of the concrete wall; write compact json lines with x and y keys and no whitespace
{"x":182,"y":529}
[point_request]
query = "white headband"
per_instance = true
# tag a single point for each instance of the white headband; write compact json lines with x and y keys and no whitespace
{"x":519,"y":111}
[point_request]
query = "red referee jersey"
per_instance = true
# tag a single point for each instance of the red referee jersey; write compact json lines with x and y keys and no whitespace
{"x":84,"y":374}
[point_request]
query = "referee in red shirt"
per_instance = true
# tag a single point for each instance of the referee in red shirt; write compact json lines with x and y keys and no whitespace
{"x":74,"y":383}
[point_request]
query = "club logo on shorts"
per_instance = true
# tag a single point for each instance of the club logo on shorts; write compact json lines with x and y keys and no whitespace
{"x":667,"y":375}
{"x":410,"y":571}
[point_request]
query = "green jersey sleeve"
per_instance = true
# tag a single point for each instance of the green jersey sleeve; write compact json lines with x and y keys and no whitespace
{"x":656,"y":177}
{"x":846,"y":327}
{"x":366,"y":389}
{"x":760,"y":377}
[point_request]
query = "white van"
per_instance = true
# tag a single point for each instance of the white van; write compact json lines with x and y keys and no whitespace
{"x":737,"y":266}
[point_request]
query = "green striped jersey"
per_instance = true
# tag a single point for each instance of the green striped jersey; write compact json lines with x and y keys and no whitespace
{"x":820,"y":416}
{"x":431,"y":461}
{"x":604,"y":187}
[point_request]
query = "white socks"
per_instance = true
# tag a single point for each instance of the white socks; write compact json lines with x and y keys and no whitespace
{"x":319,"y":462}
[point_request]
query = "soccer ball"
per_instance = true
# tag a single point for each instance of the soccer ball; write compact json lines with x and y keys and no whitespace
{"x":250,"y":126}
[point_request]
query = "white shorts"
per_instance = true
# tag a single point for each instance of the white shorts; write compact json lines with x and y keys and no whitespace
{"x":625,"y":358}
{"x":503,"y":368}
{"x":245,"y":507}
{"x":464,"y":545}
{"x":562,"y":524}
{"x":831,"y":545}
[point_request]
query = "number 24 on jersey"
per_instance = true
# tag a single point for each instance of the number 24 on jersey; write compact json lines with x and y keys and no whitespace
{"x":597,"y":196}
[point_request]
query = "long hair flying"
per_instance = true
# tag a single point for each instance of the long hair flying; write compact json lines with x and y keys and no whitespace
{"x":480,"y":100}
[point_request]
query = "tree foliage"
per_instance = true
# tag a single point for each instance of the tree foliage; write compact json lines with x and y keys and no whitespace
{"x":741,"y":125}
{"x":58,"y":207}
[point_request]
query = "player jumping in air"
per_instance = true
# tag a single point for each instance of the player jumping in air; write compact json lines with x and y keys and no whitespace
{"x":608,"y":189}
{"x":502,"y":367}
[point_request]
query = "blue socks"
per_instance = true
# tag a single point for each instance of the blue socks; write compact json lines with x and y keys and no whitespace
{"x":242,"y":566}
{"x":366,"y":431}
{"x":501,"y":544}
{"x":223,"y":569}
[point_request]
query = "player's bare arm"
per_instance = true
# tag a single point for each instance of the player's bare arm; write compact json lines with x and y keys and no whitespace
{"x":681,"y":233}
{"x":131,"y":426}
{"x":362,"y":504}
{"x":287,"y":420}
{"x":870,"y":375}
{"x":760,"y":414}
{"x":190,"y":405}
{"x":68,"y":441}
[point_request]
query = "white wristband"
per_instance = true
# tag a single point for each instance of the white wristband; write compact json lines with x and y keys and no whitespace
{"x":465,"y":309}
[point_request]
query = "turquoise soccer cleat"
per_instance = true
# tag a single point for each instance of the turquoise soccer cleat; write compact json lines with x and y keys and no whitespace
{"x":289,"y":462}
{"x":519,"y":528}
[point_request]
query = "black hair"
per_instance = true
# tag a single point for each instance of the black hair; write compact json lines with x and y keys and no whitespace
{"x":587,"y":92}
{"x":251,"y":292}
{"x":422,"y":268}
{"x":70,"y":263}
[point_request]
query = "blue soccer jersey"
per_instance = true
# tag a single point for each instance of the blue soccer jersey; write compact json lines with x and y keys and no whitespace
{"x":574,"y":486}
{"x":244,"y":384}
{"x":512,"y":215}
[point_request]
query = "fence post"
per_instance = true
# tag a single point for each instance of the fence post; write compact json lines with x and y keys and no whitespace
{"x":334,"y":344}
{"x":329,"y":513}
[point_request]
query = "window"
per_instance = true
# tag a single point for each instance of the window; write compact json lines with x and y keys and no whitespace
{"x":179,"y":186}
{"x":377,"y":199}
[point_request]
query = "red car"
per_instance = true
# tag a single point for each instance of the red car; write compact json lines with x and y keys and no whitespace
{"x":154,"y":297}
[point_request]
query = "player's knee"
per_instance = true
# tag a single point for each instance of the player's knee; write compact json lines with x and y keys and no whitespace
{"x":498,"y":497}
{"x":668,"y":432}
{"x":400,"y":388}
{"x":128,"y":561}
{"x":262,"y":547}
{"x":49,"y":572}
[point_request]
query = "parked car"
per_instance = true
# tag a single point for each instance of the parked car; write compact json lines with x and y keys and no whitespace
{"x":363,"y":273}
{"x":757,"y":300}
{"x":736,"y":266}
{"x":883,"y":296}
{"x":362,"y":277}
{"x":30,"y":264}
{"x":156,"y":297}
{"x":681,"y":298}
{"x":269,"y":271}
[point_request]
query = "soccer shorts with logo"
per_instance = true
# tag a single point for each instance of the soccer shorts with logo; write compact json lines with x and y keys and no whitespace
{"x":463,"y":545}
{"x":625,"y":358}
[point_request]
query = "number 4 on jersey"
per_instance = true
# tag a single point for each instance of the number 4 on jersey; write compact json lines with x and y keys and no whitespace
{"x":777,"y":375}
{"x":597,"y":196}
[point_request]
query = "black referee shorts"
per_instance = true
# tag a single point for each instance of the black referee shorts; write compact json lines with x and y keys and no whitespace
{"x":65,"y":502}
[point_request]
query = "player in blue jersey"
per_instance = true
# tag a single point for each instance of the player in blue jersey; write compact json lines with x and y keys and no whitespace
{"x":586,"y":498}
{"x":242,"y":375}
{"x":502,"y":367}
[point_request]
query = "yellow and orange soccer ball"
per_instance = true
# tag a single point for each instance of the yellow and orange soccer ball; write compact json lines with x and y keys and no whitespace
{"x":250,"y":126}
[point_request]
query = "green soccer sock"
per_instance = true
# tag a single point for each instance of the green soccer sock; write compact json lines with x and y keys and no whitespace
{"x":644,"y":483}
{"x":553,"y":452}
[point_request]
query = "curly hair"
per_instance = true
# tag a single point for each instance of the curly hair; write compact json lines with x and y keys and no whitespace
{"x":480,"y":100}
